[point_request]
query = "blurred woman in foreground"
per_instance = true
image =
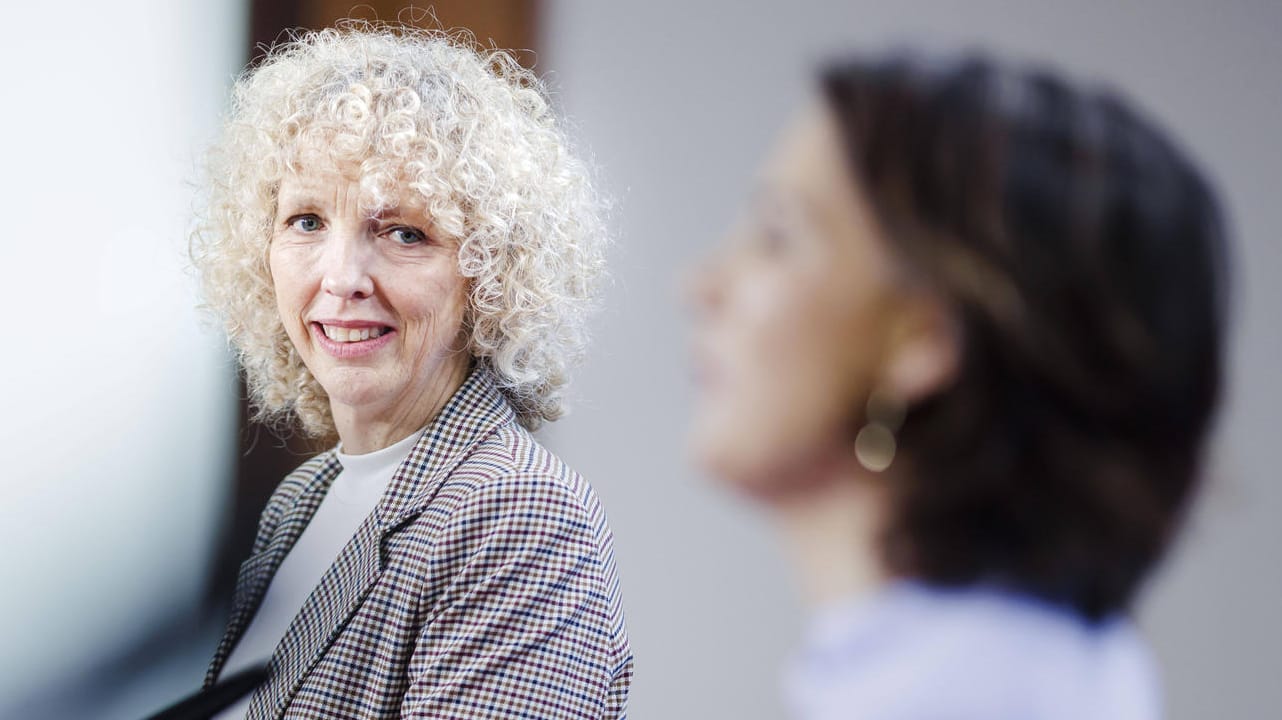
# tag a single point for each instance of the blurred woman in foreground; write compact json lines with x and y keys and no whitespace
{"x":967,"y":351}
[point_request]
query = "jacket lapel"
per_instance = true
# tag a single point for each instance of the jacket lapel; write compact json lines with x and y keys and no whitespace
{"x":323,"y":615}
{"x":257,"y":571}
{"x":472,"y":414}
{"x":474,"y":411}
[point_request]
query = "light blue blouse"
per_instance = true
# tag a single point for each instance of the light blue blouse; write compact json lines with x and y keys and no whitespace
{"x":911,"y":652}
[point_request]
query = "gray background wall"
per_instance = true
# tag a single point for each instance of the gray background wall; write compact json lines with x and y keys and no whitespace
{"x":678,"y":100}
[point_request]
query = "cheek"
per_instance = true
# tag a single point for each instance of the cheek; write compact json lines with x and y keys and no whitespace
{"x":287,"y":286}
{"x":433,"y":306}
{"x":786,"y":386}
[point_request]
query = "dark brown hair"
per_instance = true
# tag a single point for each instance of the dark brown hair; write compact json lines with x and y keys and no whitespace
{"x":1084,"y":258}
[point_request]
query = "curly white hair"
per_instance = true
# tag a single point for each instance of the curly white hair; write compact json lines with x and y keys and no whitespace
{"x":469,"y":129}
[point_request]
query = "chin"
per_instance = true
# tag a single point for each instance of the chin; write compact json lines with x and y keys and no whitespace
{"x":354,"y":387}
{"x":704,"y":444}
{"x":721,"y":456}
{"x":748,"y":480}
{"x":756,"y":463}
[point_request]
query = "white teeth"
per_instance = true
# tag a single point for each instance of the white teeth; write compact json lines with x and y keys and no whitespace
{"x":350,"y":335}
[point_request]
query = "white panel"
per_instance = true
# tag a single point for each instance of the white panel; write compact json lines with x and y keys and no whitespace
{"x":118,"y":425}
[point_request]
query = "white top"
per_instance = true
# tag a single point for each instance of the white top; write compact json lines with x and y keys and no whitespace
{"x":349,"y":500}
{"x":916,"y":653}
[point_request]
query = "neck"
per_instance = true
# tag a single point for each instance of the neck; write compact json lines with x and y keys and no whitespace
{"x":363,"y":429}
{"x":831,"y":527}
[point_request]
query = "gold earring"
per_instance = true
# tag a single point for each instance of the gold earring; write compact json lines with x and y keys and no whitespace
{"x":875,"y":444}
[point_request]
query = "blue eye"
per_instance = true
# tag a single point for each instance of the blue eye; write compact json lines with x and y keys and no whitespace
{"x":407,"y":235}
{"x":305,"y":223}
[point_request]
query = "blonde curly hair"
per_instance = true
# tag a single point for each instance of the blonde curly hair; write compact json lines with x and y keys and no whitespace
{"x":469,"y":129}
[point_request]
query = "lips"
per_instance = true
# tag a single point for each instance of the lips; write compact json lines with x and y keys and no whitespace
{"x":346,"y":339}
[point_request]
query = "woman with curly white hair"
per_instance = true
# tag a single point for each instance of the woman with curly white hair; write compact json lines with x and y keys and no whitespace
{"x":403,"y":251}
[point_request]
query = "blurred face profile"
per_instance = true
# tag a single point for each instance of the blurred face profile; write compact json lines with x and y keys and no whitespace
{"x":373,"y":302}
{"x":793,"y":317}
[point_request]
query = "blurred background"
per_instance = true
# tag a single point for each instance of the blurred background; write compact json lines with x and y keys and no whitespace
{"x":133,"y":484}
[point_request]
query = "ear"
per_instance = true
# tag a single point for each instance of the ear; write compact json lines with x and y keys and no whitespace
{"x":924,"y":351}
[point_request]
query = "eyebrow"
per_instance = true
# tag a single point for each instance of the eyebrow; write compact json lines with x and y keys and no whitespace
{"x":307,"y":201}
{"x":383,"y":213}
{"x":767,"y":195}
{"x":297,"y":200}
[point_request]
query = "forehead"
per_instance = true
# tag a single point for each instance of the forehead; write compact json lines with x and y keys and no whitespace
{"x":808,"y":156}
{"x":315,"y":176}
{"x":806,"y":173}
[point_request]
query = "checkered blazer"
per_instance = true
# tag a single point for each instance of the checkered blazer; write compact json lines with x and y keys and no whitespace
{"x":481,"y":586}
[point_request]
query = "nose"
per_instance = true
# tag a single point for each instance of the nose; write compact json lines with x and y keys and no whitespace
{"x":347,"y":265}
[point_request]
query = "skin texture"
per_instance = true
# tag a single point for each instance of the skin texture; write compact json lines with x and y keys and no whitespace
{"x":332,"y":258}
{"x":802,"y":313}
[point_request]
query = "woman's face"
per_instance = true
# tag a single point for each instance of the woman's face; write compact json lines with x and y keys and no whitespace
{"x":794,"y":315}
{"x":373,"y":302}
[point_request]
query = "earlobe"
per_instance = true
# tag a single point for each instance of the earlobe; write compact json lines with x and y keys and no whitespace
{"x":924,"y":358}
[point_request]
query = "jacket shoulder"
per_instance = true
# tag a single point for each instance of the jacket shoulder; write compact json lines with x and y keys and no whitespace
{"x":510,"y":461}
{"x":512,"y":482}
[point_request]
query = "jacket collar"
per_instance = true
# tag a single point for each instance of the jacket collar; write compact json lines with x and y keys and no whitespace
{"x":474,"y":412}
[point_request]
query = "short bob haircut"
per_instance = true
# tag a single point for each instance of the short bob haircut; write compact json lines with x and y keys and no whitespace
{"x":1084,"y":257}
{"x":470,"y":130}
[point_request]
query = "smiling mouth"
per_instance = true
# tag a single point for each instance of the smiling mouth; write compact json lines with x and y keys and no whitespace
{"x":352,"y":335}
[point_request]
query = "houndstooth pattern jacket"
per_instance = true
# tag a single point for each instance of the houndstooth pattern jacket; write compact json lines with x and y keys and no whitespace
{"x":481,"y":586}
